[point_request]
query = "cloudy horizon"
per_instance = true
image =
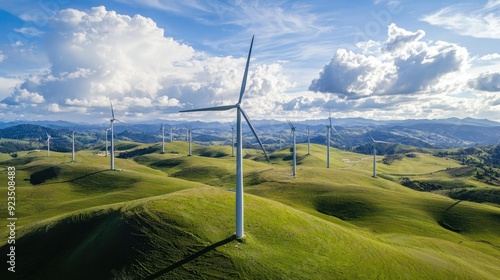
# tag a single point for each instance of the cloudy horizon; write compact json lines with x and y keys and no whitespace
{"x":64,"y":60}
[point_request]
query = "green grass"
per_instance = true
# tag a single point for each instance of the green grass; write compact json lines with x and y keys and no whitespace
{"x":158,"y":209}
{"x":144,"y":237}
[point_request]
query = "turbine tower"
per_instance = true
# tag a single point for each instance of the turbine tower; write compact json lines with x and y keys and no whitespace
{"x":106,"y":132}
{"x":329,"y":129}
{"x":375,"y":155}
{"x":188,"y":137}
{"x":171,"y":133}
{"x":239,"y":146}
{"x":294,"y":164}
{"x":280,"y":138}
{"x":48,"y":143}
{"x":112,"y":120}
{"x":308,"y":140}
{"x":232,"y":139}
{"x":73,"y":145}
{"x":162,"y":129}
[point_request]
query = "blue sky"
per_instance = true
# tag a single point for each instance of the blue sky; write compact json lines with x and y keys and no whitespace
{"x":382,"y":59}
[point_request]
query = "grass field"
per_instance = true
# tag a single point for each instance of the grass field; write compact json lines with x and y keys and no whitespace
{"x":171,"y":216}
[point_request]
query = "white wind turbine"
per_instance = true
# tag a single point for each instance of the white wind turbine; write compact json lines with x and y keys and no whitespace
{"x":232,"y":139}
{"x":112,"y":120}
{"x":375,"y":155}
{"x":329,"y":129}
{"x":279,"y":134}
{"x":162,"y":129}
{"x":188,"y":138}
{"x":308,"y":139}
{"x":239,"y":148}
{"x":48,"y":143}
{"x":294,"y":155}
{"x":106,"y":132}
{"x":171,"y":133}
{"x":73,"y":145}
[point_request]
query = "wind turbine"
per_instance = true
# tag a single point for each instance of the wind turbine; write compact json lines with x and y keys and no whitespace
{"x":232,"y":139}
{"x":294,"y":164}
{"x":73,"y":145}
{"x":48,"y":143}
{"x":112,"y":120}
{"x":239,"y":148}
{"x":106,"y":132}
{"x":162,"y":129}
{"x":375,"y":155}
{"x":279,"y":134}
{"x":188,"y":138}
{"x":329,"y":129}
{"x":171,"y":133}
{"x":308,"y":140}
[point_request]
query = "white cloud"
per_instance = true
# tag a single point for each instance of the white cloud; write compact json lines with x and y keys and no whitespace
{"x":29,"y":31}
{"x":404,"y":64}
{"x":2,"y":56}
{"x":21,"y":96}
{"x":489,"y":57}
{"x":464,"y":20}
{"x":486,"y":82}
{"x":97,"y":55}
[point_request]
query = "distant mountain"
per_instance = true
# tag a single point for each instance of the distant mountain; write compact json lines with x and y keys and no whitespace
{"x":28,"y":132}
{"x":352,"y":132}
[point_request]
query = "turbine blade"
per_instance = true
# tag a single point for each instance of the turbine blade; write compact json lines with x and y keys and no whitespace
{"x":383,"y":142}
{"x":372,"y":138}
{"x":330,"y":116}
{"x":112,"y":112}
{"x":336,"y":131}
{"x":218,"y":108}
{"x":244,"y":82}
{"x":254,"y":133}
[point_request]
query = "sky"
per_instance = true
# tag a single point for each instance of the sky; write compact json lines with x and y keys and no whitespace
{"x":379,"y":59}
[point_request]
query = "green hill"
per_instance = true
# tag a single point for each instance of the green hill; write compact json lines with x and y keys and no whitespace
{"x":171,"y":216}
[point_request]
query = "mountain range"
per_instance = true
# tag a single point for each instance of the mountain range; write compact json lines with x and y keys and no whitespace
{"x":349,"y":132}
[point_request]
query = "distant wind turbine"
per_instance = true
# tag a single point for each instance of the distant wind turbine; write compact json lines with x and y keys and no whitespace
{"x":239,"y":149}
{"x":188,"y":138}
{"x":329,"y":129}
{"x":279,"y":134}
{"x":112,"y":120}
{"x":232,"y":139}
{"x":162,"y":129}
{"x":106,"y":132}
{"x":171,"y":133}
{"x":308,"y":140}
{"x":48,"y":143}
{"x":375,"y":155}
{"x":73,"y":145}
{"x":294,"y":163}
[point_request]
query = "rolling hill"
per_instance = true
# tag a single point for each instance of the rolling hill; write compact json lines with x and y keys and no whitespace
{"x":170,"y":216}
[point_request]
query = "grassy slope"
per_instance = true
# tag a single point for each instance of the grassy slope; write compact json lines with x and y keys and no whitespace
{"x":146,"y":236}
{"x":336,"y":222}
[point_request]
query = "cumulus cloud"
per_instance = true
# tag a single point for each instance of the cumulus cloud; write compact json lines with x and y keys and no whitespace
{"x":480,"y":23}
{"x":21,"y":96}
{"x":486,"y":82}
{"x":403,"y":64}
{"x":97,"y":55}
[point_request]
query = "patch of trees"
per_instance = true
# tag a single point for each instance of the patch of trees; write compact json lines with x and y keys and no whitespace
{"x":486,"y":160}
{"x":138,"y":152}
{"x":420,"y":186}
{"x":477,"y":195}
{"x":389,"y":159}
